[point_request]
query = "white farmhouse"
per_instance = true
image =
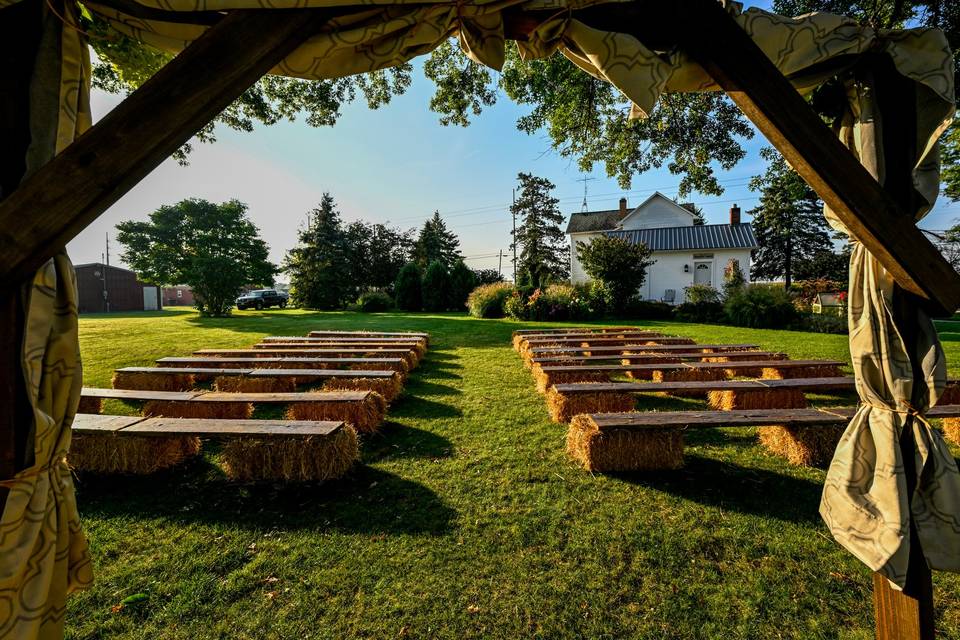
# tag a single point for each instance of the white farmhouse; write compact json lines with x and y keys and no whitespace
{"x":684,"y":252}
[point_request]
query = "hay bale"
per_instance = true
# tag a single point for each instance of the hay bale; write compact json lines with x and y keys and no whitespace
{"x":563,"y":407}
{"x":951,"y":430}
{"x":90,"y":405}
{"x":186,"y":409}
{"x":812,"y":371}
{"x":622,"y":449}
{"x":379,"y":366}
{"x":692,"y":374}
{"x":259,"y":384}
{"x":809,"y":445}
{"x":291,"y":459}
{"x":757,"y":399}
{"x":389,"y":388}
{"x":544,"y":380}
{"x":147,"y":381}
{"x":135,"y":455}
{"x":365,"y":415}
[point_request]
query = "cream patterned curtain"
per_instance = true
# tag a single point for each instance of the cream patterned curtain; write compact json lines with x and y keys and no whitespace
{"x":43,"y":552}
{"x":864,"y":500}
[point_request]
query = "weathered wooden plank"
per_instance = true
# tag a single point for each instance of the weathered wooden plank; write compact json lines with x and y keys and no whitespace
{"x":526,"y":332}
{"x":138,"y":395}
{"x":316,"y":373}
{"x":735,"y":355}
{"x":669,"y":366}
{"x":283,"y":398}
{"x":339,"y":346}
{"x":271,"y":353}
{"x":94,"y":423}
{"x":205,"y":427}
{"x":227,"y":362}
{"x":638,"y":341}
{"x":838,"y":417}
{"x":819,"y":384}
{"x":593,"y":335}
{"x":52,"y":206}
{"x":298,"y":339}
{"x":653,"y":348}
{"x":182,"y":370}
{"x":381,"y":334}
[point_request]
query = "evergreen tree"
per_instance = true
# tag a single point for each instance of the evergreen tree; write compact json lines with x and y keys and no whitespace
{"x":544,"y":253}
{"x":436,"y":242}
{"x":408,"y":291}
{"x":436,"y":287}
{"x":319,"y":266}
{"x":789,"y":223}
{"x":462,"y":282}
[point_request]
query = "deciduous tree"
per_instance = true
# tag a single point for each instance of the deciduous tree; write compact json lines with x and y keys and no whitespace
{"x":620,"y":266}
{"x":214,"y":248}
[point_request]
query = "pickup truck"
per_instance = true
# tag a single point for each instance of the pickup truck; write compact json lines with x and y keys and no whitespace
{"x":262,"y":299}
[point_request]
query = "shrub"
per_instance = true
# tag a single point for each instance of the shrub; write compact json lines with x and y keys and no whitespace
{"x":700,"y":312}
{"x":733,"y":278}
{"x":637,"y":309}
{"x":805,"y":291}
{"x":761,"y":306}
{"x":486,"y":301}
{"x":462,"y":282}
{"x":436,"y":287}
{"x":371,"y":301}
{"x":697,"y":293}
{"x":620,"y":265}
{"x":408,"y":288}
{"x":515,"y":306}
{"x":823,"y":323}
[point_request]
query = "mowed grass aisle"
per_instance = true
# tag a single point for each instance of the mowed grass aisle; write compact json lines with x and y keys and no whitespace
{"x":466,"y":518}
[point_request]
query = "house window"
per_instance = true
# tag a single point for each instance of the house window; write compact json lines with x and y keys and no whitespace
{"x":179,"y":293}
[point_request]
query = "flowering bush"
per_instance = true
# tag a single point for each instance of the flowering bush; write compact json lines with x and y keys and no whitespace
{"x":558,"y":302}
{"x":488,"y":300}
{"x":805,"y":291}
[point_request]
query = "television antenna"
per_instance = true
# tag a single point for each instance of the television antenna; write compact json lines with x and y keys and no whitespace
{"x":584,"y":180}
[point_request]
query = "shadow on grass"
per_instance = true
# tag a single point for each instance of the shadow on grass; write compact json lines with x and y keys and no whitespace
{"x":418,"y":386}
{"x":399,"y":441}
{"x":367,"y":500}
{"x":734,"y":488}
{"x":412,"y":406}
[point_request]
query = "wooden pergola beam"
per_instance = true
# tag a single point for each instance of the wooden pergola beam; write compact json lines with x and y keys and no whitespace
{"x":52,"y":206}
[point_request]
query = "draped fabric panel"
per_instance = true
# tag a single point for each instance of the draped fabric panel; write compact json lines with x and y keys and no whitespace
{"x":864,"y":503}
{"x":43,"y":552}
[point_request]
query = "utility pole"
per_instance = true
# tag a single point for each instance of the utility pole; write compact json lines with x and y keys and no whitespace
{"x":500,"y":264}
{"x":108,"y":248}
{"x":514,"y":236}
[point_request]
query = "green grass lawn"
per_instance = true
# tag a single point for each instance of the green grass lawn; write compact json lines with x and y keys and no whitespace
{"x":465,"y":518}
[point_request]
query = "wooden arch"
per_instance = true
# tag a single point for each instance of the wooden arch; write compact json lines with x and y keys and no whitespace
{"x":39,"y":215}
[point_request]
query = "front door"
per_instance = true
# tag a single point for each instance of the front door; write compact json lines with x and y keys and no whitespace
{"x":703,"y":273}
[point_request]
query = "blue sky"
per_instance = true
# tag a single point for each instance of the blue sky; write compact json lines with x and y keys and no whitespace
{"x":398,"y":164}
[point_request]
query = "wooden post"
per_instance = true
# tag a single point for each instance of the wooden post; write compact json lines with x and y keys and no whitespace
{"x":20,"y":29}
{"x":907,"y":614}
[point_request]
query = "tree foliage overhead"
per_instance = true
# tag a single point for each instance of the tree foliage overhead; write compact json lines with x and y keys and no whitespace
{"x":436,"y":243}
{"x":544,"y":253}
{"x":587,"y":119}
{"x":896,"y":14}
{"x":214,"y":248}
{"x":788,"y":224}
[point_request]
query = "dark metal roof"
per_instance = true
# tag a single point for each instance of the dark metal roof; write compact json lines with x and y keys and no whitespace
{"x":593,"y":221}
{"x":696,"y":237}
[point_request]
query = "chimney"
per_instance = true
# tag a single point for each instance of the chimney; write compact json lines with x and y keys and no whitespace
{"x":734,"y":214}
{"x":623,"y":207}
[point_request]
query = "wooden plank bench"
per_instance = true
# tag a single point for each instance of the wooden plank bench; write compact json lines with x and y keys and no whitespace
{"x":654,"y":440}
{"x":302,"y":450}
{"x":522,"y":341}
{"x":312,"y":343}
{"x":345,"y":340}
{"x":409,"y":355}
{"x":552,"y":330}
{"x":363,"y":410}
{"x":567,"y":400}
{"x":651,"y":358}
{"x":386,"y":383}
{"x":280,"y":362}
{"x":420,"y":335}
{"x":529,"y":354}
{"x":547,"y":376}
